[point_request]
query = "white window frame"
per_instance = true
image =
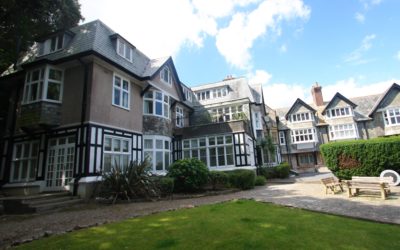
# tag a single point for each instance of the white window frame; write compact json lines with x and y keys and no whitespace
{"x":391,"y":117}
{"x":31,"y":161}
{"x":165,"y":102}
{"x":333,"y":113}
{"x":301,"y":117}
{"x":122,"y":91}
{"x":305,"y":135}
{"x":214,"y":93}
{"x":115,"y":154}
{"x":257,"y":120}
{"x":153,"y":150}
{"x":188,"y":94}
{"x":166,"y":73}
{"x":343,"y":131}
{"x":42,"y":83}
{"x":282,"y":139}
{"x":125,"y":47}
{"x":179,"y":117}
{"x":45,"y":47}
{"x":226,"y":113}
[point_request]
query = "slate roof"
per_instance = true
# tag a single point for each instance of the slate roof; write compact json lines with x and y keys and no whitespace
{"x":97,"y":37}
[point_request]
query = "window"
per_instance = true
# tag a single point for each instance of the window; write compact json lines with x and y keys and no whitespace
{"x":195,"y":148}
{"x":156,"y":103}
{"x":121,"y":92}
{"x":157,"y":150}
{"x":166,"y":75}
{"x":51,"y":45}
{"x":338,"y":112}
{"x":212,"y":94}
{"x":124,"y":50}
{"x":303,"y":135}
{"x":43,"y":84}
{"x":179,"y":117}
{"x":116,"y":152}
{"x":225,"y":114}
{"x":342,"y":131}
{"x":282,"y":140}
{"x":257,"y":120}
{"x":302,"y":117}
{"x":24,"y":161}
{"x":392,"y":116}
{"x":306,"y":159}
{"x":188,"y":94}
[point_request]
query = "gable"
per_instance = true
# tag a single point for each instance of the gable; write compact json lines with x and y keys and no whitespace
{"x":298,"y":107}
{"x":338,"y":101}
{"x":391,"y":98}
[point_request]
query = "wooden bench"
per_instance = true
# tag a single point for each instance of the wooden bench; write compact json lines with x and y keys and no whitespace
{"x":331,"y":184}
{"x":357,"y":183}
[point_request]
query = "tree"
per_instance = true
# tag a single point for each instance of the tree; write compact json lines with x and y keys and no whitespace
{"x":22,"y":21}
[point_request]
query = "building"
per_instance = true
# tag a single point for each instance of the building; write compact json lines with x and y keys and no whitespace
{"x":85,"y":99}
{"x":304,"y":127}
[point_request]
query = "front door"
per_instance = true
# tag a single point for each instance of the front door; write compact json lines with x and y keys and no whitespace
{"x":60,"y":163}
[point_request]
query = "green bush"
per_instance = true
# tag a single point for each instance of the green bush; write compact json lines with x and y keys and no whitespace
{"x":218,"y":179}
{"x":260,"y":181}
{"x":166,"y":186}
{"x":268,"y":172}
{"x":242,"y":178}
{"x":362,"y":157}
{"x":282,"y":170}
{"x":189,"y":175}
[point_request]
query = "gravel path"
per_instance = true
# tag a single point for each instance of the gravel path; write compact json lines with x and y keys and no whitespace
{"x":307,"y":195}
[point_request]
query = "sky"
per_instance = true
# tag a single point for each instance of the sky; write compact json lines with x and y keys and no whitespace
{"x":347,"y":46}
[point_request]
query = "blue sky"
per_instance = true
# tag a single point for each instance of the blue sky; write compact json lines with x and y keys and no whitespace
{"x":347,"y":46}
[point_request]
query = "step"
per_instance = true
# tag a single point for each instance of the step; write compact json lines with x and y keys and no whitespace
{"x":55,"y":199}
{"x":36,"y":196}
{"x":57,"y":205}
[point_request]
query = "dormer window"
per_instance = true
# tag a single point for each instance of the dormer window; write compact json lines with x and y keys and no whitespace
{"x":302,"y":117}
{"x":124,"y":50}
{"x":212,"y":93}
{"x":188,"y":94}
{"x":339,"y":112}
{"x":53,"y":44}
{"x":166,"y":75}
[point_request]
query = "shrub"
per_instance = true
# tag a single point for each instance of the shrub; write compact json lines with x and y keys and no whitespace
{"x":282,"y":170}
{"x":189,"y":174}
{"x":268,"y":172}
{"x":362,"y":157}
{"x":218,"y":179}
{"x":132,"y":181}
{"x":260,"y":181}
{"x":166,"y":186}
{"x":242,"y":178}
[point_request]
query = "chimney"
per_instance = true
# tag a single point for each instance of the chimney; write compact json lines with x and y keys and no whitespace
{"x":317,"y":94}
{"x":228,"y":77}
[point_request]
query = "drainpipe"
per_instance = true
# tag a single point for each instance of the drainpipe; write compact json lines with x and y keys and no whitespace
{"x":81,"y":136}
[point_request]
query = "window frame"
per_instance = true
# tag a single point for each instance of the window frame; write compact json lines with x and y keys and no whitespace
{"x":306,"y":159}
{"x":221,"y":114}
{"x":125,"y":46}
{"x":305,"y":133}
{"x":180,"y":123}
{"x":121,"y":91}
{"x":154,"y":102}
{"x":154,"y":150}
{"x":298,"y":117}
{"x":169,"y":75}
{"x":337,"y":111}
{"x":282,"y":138}
{"x":387,"y":117}
{"x":214,"y":93}
{"x":113,"y":153}
{"x":43,"y":81}
{"x":32,"y":161}
{"x":257,"y":120}
{"x":335,"y":130}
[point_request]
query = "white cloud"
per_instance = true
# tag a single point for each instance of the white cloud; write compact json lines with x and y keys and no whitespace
{"x":235,"y":40}
{"x":220,"y":8}
{"x":158,"y":28}
{"x":359,"y":17}
{"x":356,"y":57}
{"x":284,"y":95}
{"x":283,"y":48}
{"x":370,"y":3}
{"x":259,"y":77}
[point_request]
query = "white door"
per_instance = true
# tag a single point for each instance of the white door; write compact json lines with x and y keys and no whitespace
{"x":60,"y":163}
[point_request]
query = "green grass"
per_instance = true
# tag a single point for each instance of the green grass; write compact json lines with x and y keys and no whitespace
{"x":232,"y":225}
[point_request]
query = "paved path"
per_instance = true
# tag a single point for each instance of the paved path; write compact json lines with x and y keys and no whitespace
{"x":303,"y":194}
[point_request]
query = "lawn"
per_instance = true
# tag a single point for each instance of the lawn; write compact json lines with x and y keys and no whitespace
{"x":239,"y":224}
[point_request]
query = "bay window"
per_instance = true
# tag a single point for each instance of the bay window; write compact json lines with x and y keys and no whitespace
{"x":157,"y":150}
{"x":116,"y":152}
{"x":343,"y":131}
{"x":156,"y":103}
{"x":303,"y":135}
{"x":43,"y":84}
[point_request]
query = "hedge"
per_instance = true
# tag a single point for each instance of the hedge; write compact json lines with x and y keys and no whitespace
{"x":242,"y":178}
{"x":362,"y":157}
{"x":190,"y":175}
